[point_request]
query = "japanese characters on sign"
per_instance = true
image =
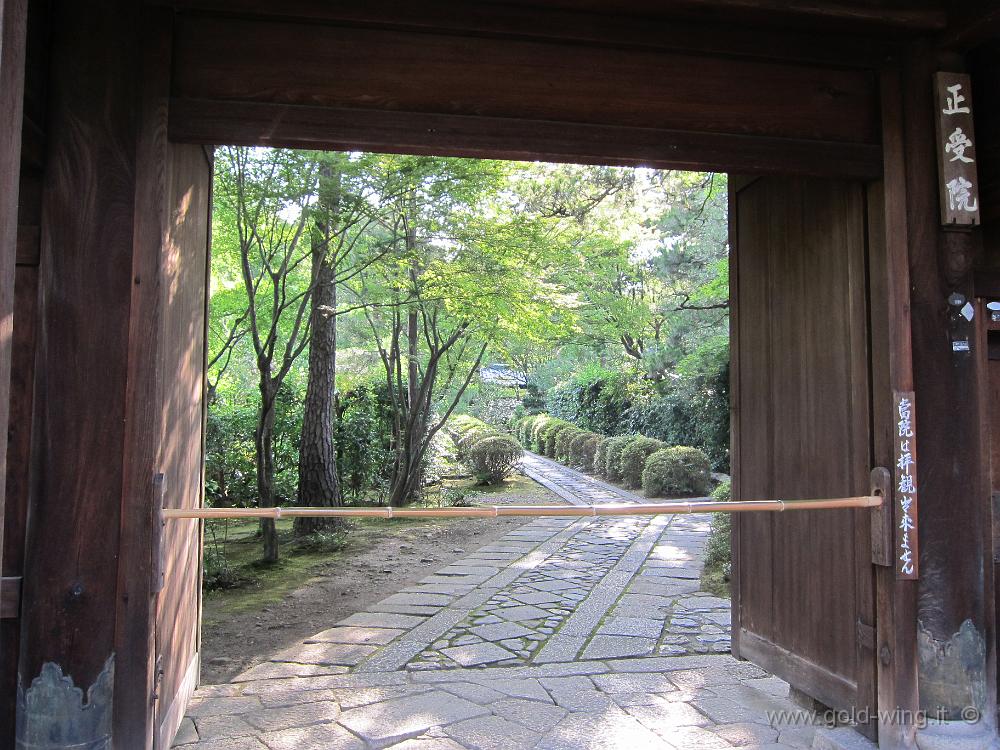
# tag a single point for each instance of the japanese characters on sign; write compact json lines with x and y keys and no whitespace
{"x":905,"y":496}
{"x":959,"y":186}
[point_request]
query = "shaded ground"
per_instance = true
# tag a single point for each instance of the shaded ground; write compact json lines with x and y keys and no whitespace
{"x":308,"y":591}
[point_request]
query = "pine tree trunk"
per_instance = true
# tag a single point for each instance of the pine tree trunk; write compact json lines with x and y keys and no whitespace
{"x":318,"y":483}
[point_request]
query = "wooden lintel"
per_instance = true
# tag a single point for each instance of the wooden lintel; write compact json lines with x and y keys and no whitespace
{"x":333,"y":66}
{"x":241,"y":123}
{"x":582,"y":26}
{"x":10,"y":597}
{"x":970,"y":25}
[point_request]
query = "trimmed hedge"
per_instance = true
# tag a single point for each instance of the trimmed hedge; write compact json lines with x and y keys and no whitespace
{"x":492,"y":459}
{"x":552,"y":435}
{"x":613,"y":458}
{"x":633,"y":459}
{"x":582,"y":450}
{"x":718,"y":553}
{"x":677,"y":471}
{"x":549,"y":428}
{"x":563,"y":440}
{"x":636,"y":460}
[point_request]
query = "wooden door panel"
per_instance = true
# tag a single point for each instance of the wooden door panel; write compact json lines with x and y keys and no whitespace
{"x":802,"y":428}
{"x":185,"y":283}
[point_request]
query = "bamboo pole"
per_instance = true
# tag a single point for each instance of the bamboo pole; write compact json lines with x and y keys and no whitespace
{"x":495,"y":511}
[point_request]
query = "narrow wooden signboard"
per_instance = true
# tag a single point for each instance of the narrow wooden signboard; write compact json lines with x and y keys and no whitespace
{"x":905,"y":486}
{"x":956,"y":150}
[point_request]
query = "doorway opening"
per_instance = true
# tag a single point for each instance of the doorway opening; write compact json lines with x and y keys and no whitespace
{"x":569,"y":327}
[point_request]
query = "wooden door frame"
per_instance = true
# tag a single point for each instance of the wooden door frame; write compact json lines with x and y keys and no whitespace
{"x":160,"y":118}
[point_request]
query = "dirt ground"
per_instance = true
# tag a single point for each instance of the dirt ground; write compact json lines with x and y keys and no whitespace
{"x":309,"y":593}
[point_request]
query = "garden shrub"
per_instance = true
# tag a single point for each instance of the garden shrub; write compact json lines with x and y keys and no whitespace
{"x":582,"y":450}
{"x":691,"y":408}
{"x":612,"y":459}
{"x":551,"y":434}
{"x":563,"y":439}
{"x":541,"y":433}
{"x":363,"y":433}
{"x":718,"y":552}
{"x":601,"y":456}
{"x":633,"y":459}
{"x":492,"y":459}
{"x":470,"y":438}
{"x":530,"y":428}
{"x":677,"y":471}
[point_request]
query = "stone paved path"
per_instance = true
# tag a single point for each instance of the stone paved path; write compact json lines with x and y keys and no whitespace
{"x":565,"y":633}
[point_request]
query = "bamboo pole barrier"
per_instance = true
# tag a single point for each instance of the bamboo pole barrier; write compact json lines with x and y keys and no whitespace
{"x":495,"y":511}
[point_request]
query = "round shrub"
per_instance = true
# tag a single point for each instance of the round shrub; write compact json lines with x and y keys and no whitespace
{"x":633,"y":459}
{"x":582,"y":450}
{"x":677,"y":471}
{"x":531,"y":431}
{"x":551,"y":434}
{"x":536,"y":429}
{"x":469,"y":438}
{"x":563,"y":439}
{"x":612,"y":459}
{"x":524,"y":428}
{"x":492,"y":459}
{"x":542,"y":435}
{"x":601,"y":456}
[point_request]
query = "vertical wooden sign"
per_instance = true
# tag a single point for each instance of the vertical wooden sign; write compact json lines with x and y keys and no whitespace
{"x":905,"y":494}
{"x":956,"y":149}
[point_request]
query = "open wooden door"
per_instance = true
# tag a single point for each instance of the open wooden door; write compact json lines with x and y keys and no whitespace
{"x":184,"y":288}
{"x":803,"y":590}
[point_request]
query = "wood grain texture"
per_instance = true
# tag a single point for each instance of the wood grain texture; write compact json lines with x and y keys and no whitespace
{"x":803,"y":431}
{"x":10,"y":598}
{"x":891,"y":369}
{"x":13,"y":38}
{"x":321,"y":65}
{"x":182,"y":368}
{"x":828,"y":16}
{"x":84,"y":285}
{"x":18,"y":478}
{"x":951,"y":477}
{"x":576,"y":24}
{"x":134,"y":638}
{"x":242,"y":123}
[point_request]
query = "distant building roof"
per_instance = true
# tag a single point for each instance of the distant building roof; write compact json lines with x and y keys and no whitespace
{"x":501,"y":374}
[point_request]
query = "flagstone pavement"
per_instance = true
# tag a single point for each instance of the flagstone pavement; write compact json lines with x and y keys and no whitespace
{"x":563,"y":634}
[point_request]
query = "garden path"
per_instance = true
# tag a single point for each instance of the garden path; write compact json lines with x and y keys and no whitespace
{"x":565,"y":633}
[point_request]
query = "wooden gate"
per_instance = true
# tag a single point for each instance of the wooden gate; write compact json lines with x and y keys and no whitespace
{"x":184,"y":282}
{"x":803,"y":594}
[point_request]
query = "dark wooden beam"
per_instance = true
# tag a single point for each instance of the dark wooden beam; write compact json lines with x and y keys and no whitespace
{"x":318,"y":65}
{"x":10,"y":597}
{"x":576,"y":24}
{"x":971,"y":24}
{"x":492,"y":137}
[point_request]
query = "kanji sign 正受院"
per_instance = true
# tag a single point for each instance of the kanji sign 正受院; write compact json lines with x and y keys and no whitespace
{"x":956,"y":148}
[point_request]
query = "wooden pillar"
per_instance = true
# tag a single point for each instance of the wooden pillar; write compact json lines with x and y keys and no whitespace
{"x":91,"y":438}
{"x":13,"y":38}
{"x":952,"y":474}
{"x":892,"y":371}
